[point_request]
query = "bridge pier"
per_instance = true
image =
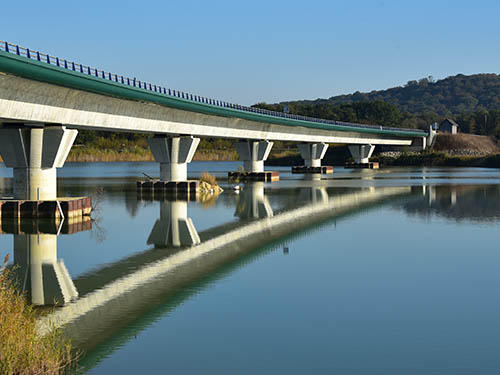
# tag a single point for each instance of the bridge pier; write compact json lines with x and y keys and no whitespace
{"x":46,"y":278}
{"x":34,"y":152}
{"x":254,"y":154}
{"x":173,"y":154}
{"x":361,"y":155}
{"x":174,"y":227}
{"x":312,"y":153}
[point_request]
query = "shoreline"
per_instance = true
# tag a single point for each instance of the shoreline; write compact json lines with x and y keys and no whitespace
{"x":289,"y":159}
{"x":440,"y":159}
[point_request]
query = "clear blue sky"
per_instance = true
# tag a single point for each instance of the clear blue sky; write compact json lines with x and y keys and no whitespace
{"x":253,"y":51}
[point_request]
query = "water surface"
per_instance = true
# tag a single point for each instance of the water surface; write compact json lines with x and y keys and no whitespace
{"x":361,"y":272}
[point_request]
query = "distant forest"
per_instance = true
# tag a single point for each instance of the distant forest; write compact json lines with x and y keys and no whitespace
{"x":472,"y":101}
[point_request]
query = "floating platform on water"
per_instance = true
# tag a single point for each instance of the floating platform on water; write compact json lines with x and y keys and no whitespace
{"x":327,"y":169}
{"x":45,"y":226}
{"x":25,"y":209}
{"x":370,"y":165}
{"x":254,"y":176}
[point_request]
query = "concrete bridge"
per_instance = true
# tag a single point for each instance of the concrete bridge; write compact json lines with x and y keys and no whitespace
{"x":45,"y":99}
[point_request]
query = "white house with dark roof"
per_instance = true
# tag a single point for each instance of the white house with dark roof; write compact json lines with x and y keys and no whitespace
{"x":449,"y":126}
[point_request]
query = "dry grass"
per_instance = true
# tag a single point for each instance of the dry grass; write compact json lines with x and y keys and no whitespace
{"x":208,"y":178}
{"x":22,"y":350}
{"x":94,"y":154}
{"x":220,"y":155}
{"x":461,"y":141}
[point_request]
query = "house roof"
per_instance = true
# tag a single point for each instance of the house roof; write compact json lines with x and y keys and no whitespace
{"x":450,"y":121}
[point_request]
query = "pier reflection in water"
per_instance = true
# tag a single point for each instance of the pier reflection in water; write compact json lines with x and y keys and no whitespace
{"x":39,"y":272}
{"x":43,"y":275}
{"x":110,"y":305}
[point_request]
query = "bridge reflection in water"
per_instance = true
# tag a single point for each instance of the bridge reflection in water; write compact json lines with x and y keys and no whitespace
{"x":114,"y":295}
{"x":100,"y":307}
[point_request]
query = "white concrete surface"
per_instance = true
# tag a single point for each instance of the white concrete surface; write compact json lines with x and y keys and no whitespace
{"x":25,"y":101}
{"x":312,"y":153}
{"x":173,"y":154}
{"x":254,"y":154}
{"x":35,"y":152}
{"x":361,"y":153}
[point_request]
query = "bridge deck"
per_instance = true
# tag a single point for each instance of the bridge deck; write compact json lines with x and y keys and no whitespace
{"x":38,"y":66}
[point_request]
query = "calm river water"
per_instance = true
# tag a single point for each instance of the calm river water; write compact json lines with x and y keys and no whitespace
{"x":394,"y":271}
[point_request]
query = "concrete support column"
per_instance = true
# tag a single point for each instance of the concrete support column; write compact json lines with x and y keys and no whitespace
{"x":312,"y":153}
{"x":253,"y":154}
{"x":361,"y":153}
{"x":174,"y":227}
{"x":173,"y":154}
{"x":430,"y":138}
{"x":47,"y":280}
{"x":34,"y":153}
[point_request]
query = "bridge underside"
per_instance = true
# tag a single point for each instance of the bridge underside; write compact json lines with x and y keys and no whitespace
{"x":27,"y":101}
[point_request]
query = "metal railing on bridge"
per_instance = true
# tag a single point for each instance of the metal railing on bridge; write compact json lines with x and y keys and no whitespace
{"x":134,"y":82}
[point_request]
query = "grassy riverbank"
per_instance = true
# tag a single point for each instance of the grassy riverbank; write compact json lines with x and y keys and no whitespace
{"x":94,"y":154}
{"x":441,"y":159}
{"x":22,"y":350}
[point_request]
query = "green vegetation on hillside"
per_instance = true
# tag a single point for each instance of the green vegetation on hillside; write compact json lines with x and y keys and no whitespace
{"x":446,"y":97}
{"x":473,"y":101}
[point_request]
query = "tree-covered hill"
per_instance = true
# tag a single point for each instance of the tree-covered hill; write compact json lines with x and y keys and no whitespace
{"x":473,"y":101}
{"x":446,"y":97}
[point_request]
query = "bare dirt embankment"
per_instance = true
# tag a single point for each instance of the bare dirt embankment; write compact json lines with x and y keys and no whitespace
{"x":465,"y":144}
